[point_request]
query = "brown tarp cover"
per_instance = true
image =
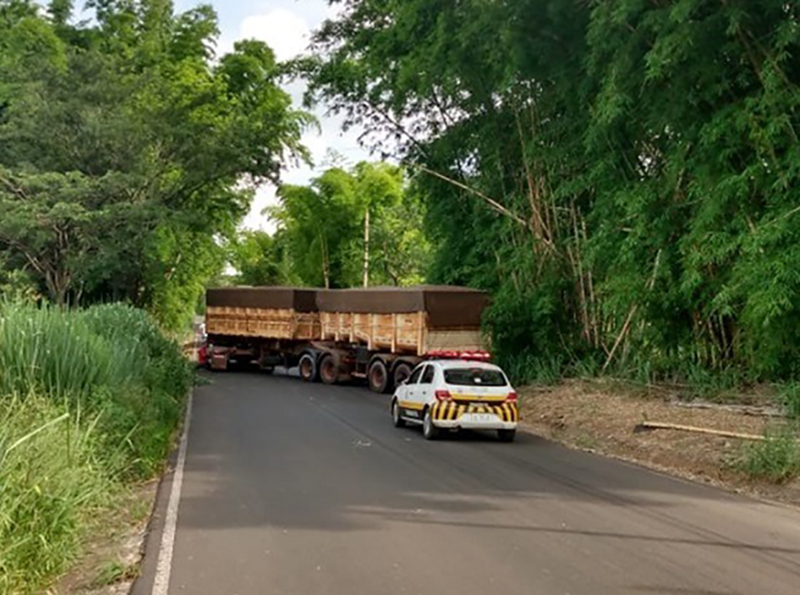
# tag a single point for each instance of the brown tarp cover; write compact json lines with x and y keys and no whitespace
{"x":274,"y":298}
{"x":447,"y":307}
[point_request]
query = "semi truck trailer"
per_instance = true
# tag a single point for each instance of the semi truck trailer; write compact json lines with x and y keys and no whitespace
{"x":333,"y":336}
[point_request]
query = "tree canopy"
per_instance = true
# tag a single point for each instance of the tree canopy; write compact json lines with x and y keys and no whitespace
{"x":621,"y":174}
{"x":129,"y":149}
{"x":354,"y":226}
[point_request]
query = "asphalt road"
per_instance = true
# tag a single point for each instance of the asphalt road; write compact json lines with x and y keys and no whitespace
{"x":298,"y":489}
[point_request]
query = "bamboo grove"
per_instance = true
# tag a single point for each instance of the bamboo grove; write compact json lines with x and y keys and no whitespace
{"x":622,"y":174}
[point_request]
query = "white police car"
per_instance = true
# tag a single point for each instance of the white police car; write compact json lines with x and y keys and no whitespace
{"x":457,"y":391}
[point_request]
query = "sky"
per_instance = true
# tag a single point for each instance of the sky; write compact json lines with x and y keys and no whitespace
{"x":286,"y":26}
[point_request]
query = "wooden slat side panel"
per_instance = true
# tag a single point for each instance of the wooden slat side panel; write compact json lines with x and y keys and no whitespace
{"x":263,"y":323}
{"x":328,"y":323}
{"x":396,"y":333}
{"x":460,"y":340}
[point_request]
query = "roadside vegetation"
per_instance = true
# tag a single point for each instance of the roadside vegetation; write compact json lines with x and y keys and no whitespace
{"x":620,"y":175}
{"x":89,"y":403}
{"x":776,"y":459}
{"x":130,"y":150}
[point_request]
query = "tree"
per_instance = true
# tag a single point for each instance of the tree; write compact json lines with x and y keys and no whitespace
{"x":356,"y":227}
{"x":261,"y":259}
{"x":618,"y":173}
{"x":129,"y":153}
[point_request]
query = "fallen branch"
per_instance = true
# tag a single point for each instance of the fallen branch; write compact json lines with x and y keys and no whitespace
{"x":654,"y":425}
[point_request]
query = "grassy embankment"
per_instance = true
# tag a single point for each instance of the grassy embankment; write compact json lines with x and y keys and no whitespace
{"x":89,"y":402}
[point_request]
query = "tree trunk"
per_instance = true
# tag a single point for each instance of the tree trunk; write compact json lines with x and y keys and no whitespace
{"x":366,"y":248}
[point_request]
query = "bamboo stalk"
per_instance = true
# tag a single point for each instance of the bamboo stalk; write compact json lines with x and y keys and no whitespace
{"x":655,"y":425}
{"x":631,"y":314}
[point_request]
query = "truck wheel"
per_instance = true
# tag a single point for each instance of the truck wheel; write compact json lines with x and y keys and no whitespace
{"x":429,"y":431}
{"x":401,"y":372}
{"x":378,"y":377}
{"x":328,"y":369}
{"x":308,"y":368}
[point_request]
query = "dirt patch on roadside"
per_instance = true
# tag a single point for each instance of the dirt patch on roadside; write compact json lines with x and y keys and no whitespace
{"x":601,"y":418}
{"x":112,"y":559}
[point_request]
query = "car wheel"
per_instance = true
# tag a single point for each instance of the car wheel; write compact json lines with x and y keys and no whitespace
{"x":429,"y":431}
{"x":506,"y":435}
{"x":378,"y":377}
{"x":328,"y":369}
{"x":401,"y":372}
{"x":398,"y":421}
{"x":308,"y":368}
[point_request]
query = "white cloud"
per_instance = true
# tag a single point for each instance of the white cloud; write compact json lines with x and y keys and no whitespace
{"x":286,"y":32}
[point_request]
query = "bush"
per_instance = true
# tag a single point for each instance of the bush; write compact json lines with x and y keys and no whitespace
{"x":790,"y":399}
{"x":89,"y":400}
{"x":776,"y":459}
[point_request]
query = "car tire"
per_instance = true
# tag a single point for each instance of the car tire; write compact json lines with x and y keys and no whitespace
{"x":307,"y":366}
{"x":429,"y":430}
{"x":328,"y":369}
{"x":506,"y":435}
{"x":401,"y":372}
{"x":268,"y":370}
{"x":397,"y":420}
{"x":378,"y":377}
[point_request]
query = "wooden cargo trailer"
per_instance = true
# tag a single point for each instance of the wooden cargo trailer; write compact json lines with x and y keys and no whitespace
{"x":391,"y":329}
{"x":263,"y":325}
{"x":378,"y":334}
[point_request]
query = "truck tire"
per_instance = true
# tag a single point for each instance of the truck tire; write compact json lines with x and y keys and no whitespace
{"x":309,"y":372}
{"x":401,"y":372}
{"x":378,"y":377}
{"x":329,"y":369}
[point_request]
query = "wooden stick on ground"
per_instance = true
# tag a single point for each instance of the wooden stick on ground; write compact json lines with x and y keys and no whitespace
{"x":654,"y":425}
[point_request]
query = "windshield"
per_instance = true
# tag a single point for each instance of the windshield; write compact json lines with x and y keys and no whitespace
{"x":474,"y":377}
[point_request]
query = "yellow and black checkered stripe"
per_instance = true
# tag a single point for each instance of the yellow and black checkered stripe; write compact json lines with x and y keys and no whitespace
{"x":452,"y":410}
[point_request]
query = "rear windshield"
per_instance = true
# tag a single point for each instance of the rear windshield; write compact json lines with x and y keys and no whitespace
{"x":474,"y":377}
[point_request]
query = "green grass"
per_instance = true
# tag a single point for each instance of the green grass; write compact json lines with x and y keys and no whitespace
{"x":776,"y":459}
{"x":89,"y":401}
{"x":114,"y":572}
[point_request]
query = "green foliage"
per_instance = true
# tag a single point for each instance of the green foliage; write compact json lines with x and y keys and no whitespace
{"x":323,"y":228}
{"x":619,"y":174}
{"x":123,"y":145}
{"x":261,"y":259}
{"x":790,"y":399}
{"x":776,"y":459}
{"x":52,"y":475}
{"x":89,"y":400}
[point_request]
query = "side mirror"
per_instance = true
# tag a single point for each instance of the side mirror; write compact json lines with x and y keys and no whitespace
{"x":404,"y":382}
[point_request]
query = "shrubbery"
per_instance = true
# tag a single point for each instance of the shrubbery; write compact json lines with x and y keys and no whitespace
{"x":89,"y":401}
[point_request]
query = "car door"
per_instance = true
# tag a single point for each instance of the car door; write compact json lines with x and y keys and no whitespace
{"x":411,"y":385}
{"x":424,"y":390}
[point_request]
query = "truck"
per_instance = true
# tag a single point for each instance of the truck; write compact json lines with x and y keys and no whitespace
{"x":334,"y":336}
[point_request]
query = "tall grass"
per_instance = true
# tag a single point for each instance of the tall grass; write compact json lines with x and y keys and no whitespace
{"x":776,"y":459}
{"x":89,"y":401}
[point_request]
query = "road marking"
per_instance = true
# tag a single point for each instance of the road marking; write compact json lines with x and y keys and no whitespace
{"x":164,"y":566}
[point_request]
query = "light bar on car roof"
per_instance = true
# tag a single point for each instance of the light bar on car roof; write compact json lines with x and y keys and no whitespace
{"x":475,"y":356}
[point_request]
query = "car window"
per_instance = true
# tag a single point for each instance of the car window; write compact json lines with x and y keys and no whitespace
{"x":427,"y":376}
{"x":474,"y":377}
{"x":415,"y":376}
